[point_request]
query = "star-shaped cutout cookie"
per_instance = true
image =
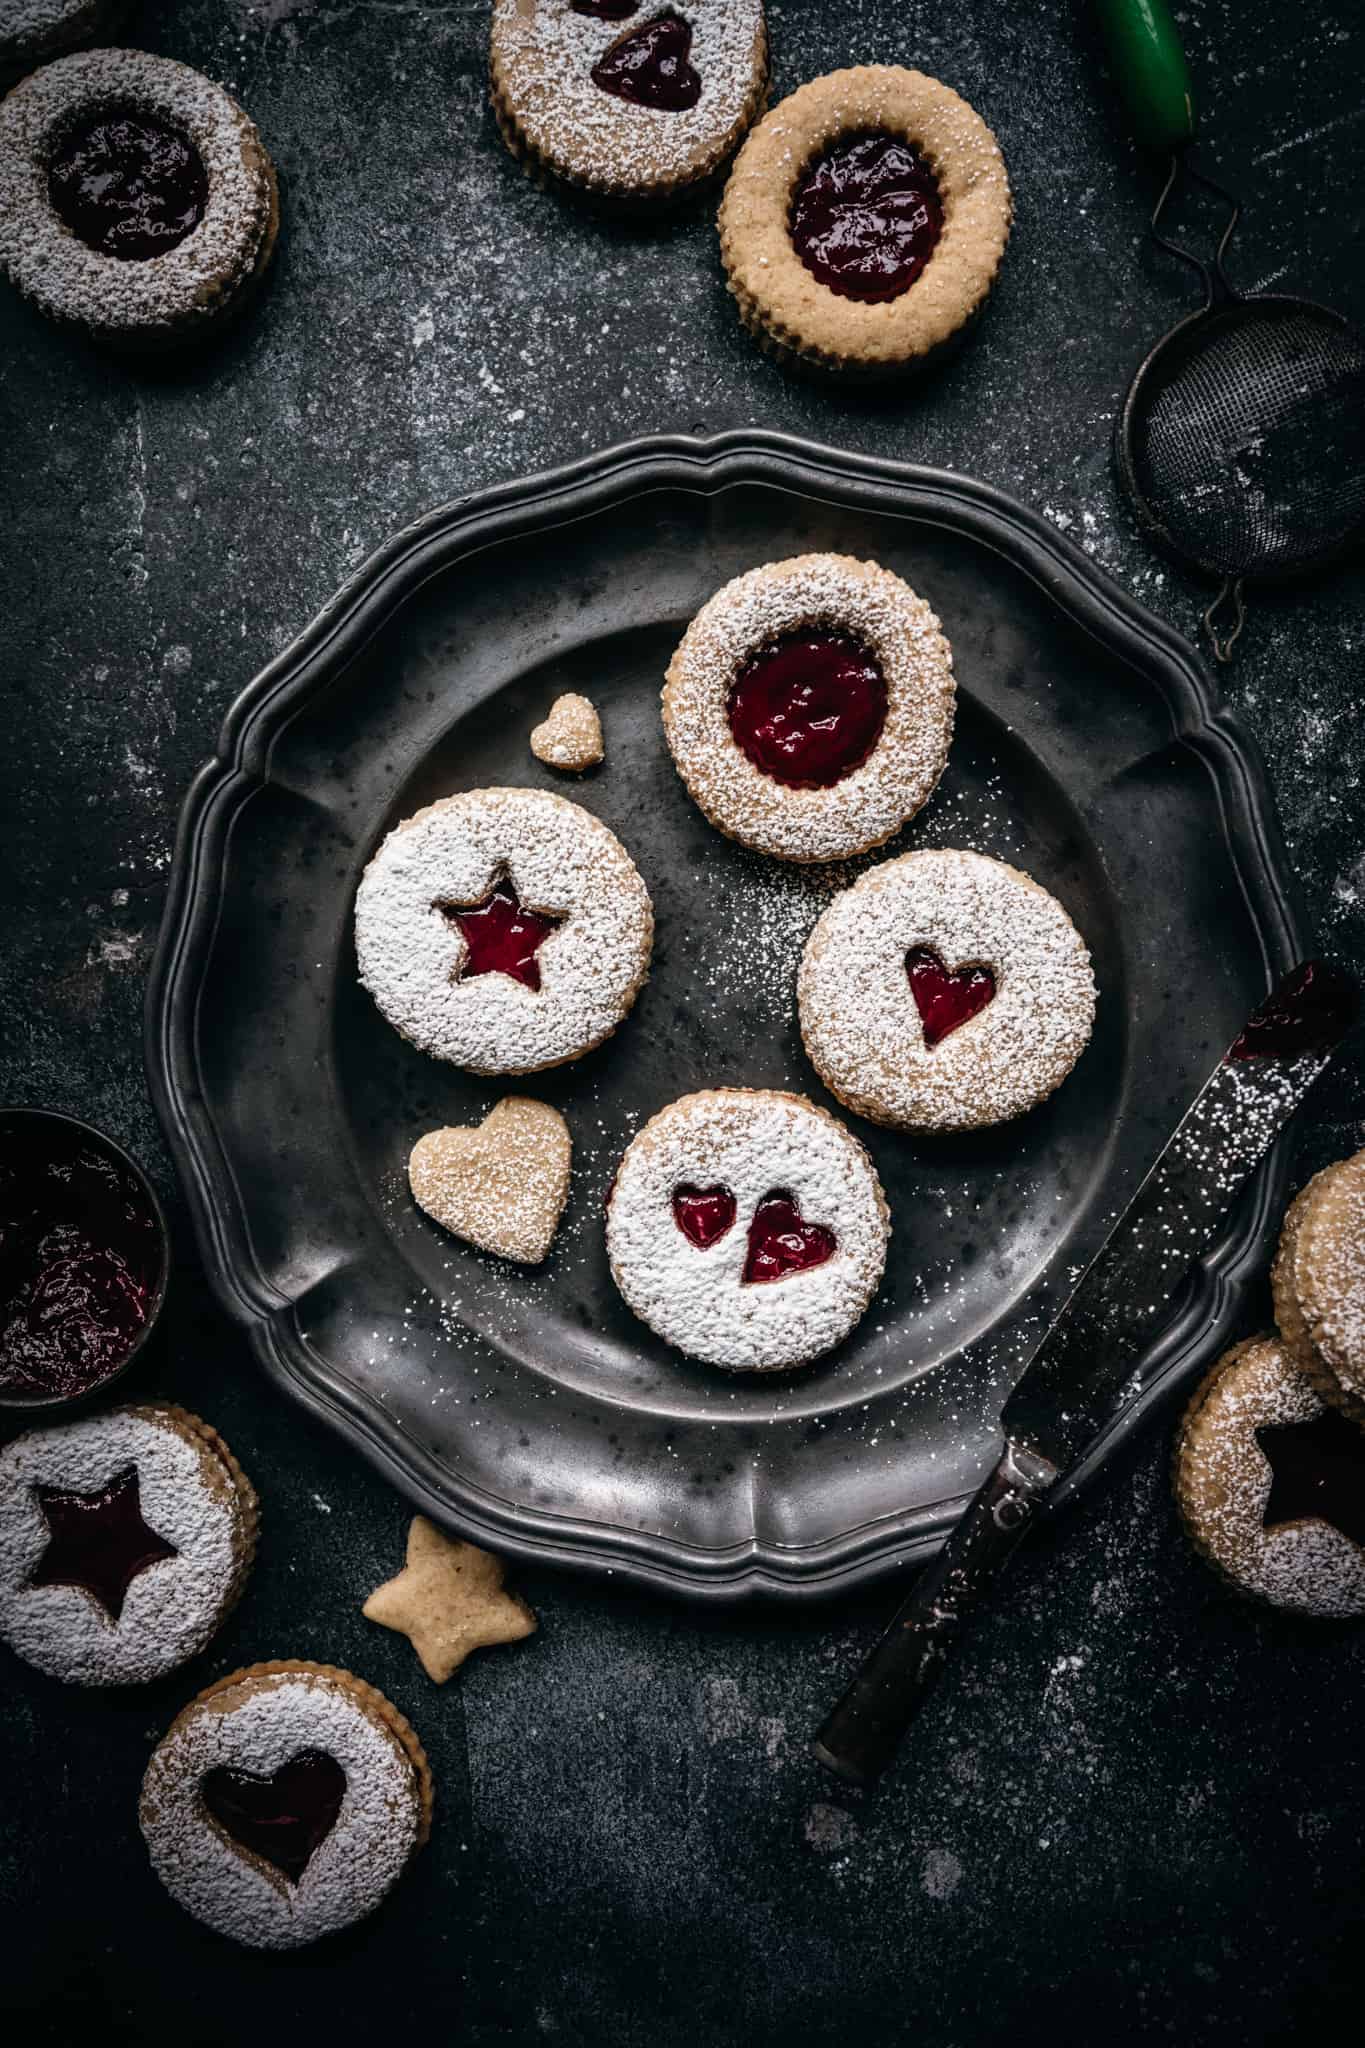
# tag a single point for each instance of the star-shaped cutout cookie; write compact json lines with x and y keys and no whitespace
{"x":448,"y":1600}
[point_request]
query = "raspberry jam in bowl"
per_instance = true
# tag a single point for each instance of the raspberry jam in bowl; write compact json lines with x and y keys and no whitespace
{"x":84,"y":1259}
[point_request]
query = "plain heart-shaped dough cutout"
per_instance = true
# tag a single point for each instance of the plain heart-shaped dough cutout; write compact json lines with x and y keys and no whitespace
{"x":571,"y":737}
{"x":500,"y":1185}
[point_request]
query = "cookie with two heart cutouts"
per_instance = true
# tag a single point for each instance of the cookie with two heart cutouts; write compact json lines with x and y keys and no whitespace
{"x":284,"y":1803}
{"x":944,"y":991}
{"x":627,"y":101}
{"x":748,"y":1228}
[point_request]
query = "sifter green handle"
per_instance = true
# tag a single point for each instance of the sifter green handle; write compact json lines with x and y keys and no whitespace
{"x":1149,"y":70}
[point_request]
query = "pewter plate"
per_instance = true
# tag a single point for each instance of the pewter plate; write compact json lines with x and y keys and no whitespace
{"x":530,"y":1411}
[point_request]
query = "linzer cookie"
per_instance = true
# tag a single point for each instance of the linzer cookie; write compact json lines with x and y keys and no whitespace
{"x":1271,"y":1484}
{"x":809,"y":707}
{"x":864,"y":221}
{"x":505,"y":930}
{"x":125,"y":1539}
{"x":32,"y":31}
{"x":748,"y":1228}
{"x":284,"y":1803}
{"x":623,"y":99}
{"x":502,"y":1185}
{"x":1319,"y":1283}
{"x":944,"y":990}
{"x":137,"y":201}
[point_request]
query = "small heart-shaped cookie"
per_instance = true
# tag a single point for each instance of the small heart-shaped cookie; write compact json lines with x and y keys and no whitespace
{"x":571,"y":737}
{"x":501,"y":1185}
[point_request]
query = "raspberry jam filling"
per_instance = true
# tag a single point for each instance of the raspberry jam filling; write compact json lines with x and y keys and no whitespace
{"x":129,"y":184}
{"x":703,"y":1215}
{"x":500,"y":937}
{"x":809,"y":708}
{"x":1318,"y":1471}
{"x":782,"y":1242}
{"x":866,"y":216}
{"x":80,"y":1250}
{"x":607,"y":10}
{"x":282,"y":1818}
{"x":649,"y":67}
{"x":98,"y":1541}
{"x":944,"y":997}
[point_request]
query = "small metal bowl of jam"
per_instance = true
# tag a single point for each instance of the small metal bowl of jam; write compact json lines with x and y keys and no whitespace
{"x":84,"y":1259}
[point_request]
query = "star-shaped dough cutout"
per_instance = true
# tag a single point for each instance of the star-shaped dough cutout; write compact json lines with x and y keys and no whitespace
{"x":449,"y":1599}
{"x":1318,"y":1472}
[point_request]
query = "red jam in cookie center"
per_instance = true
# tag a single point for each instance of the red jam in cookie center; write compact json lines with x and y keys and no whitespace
{"x":866,"y":216}
{"x":98,"y":1541}
{"x":80,"y":1250}
{"x":945,"y":998}
{"x":782,"y":1242}
{"x":649,"y":67}
{"x":809,"y":708}
{"x":703,"y":1215}
{"x":1318,"y":1472}
{"x":129,"y":184}
{"x":282,"y":1818}
{"x":500,"y":936}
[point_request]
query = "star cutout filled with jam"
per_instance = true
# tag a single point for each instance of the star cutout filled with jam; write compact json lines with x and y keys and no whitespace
{"x":500,"y":936}
{"x":98,"y":1541}
{"x":1318,"y":1471}
{"x":448,"y":1600}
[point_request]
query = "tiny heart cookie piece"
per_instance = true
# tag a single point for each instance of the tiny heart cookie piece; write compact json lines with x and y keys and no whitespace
{"x":571,"y":737}
{"x":501,"y":1185}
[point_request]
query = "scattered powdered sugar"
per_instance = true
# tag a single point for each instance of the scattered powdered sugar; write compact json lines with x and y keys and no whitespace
{"x":173,"y":1606}
{"x":69,"y":280}
{"x":754,"y":1143}
{"x":1223,"y":1482}
{"x":543,"y":55}
{"x":858,"y":1016}
{"x":1329,"y":1272}
{"x":561,"y":860}
{"x":258,"y":1725}
{"x":864,"y":807}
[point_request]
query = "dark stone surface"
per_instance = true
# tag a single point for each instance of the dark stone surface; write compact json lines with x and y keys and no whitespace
{"x":1135,"y":1811}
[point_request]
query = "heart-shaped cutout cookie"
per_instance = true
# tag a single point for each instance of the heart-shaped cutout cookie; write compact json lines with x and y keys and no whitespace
{"x":782,"y":1242}
{"x":703,"y":1215}
{"x":650,"y":68}
{"x":944,"y":996}
{"x":500,"y":1185}
{"x":284,"y":1817}
{"x":571,"y":737}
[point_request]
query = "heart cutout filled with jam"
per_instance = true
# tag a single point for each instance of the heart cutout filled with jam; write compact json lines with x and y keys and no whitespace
{"x":650,"y":68}
{"x":946,"y":996}
{"x":282,"y":1818}
{"x":782,"y":1242}
{"x":703,"y":1215}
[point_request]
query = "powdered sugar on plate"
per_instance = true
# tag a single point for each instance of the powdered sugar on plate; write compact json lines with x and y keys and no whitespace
{"x":866,"y":806}
{"x":751,"y":1142}
{"x":561,"y":860}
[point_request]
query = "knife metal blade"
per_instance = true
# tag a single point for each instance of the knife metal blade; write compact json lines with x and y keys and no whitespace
{"x":1084,"y":1365}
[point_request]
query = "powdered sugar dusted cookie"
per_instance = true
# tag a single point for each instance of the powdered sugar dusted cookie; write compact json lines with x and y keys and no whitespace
{"x":747,"y":1227}
{"x":505,"y":930}
{"x":571,"y":736}
{"x":627,"y":99}
{"x":137,"y":201}
{"x":809,"y":707}
{"x":1319,"y":1283}
{"x":32,"y":31}
{"x":125,"y":1538}
{"x":944,"y":990}
{"x":284,"y":1803}
{"x":1271,"y":1484}
{"x":503,"y":1184}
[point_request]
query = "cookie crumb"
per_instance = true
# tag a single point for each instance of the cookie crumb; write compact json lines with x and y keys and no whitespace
{"x":571,"y":736}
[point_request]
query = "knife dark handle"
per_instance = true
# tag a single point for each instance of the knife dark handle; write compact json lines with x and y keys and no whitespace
{"x":861,"y":1736}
